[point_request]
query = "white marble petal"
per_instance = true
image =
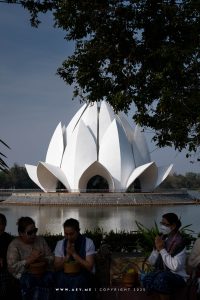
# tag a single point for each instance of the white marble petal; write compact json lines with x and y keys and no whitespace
{"x":115,"y":154}
{"x":32,"y":173}
{"x":136,"y":173}
{"x":79,"y":155}
{"x":64,"y":132}
{"x":106,"y":116}
{"x":74,"y":121}
{"x":56,"y":147}
{"x":148,"y":178}
{"x":58,"y":173}
{"x":140,"y":148}
{"x":89,"y":118}
{"x":163,"y":172}
{"x":47,"y":180}
{"x":129,"y":130}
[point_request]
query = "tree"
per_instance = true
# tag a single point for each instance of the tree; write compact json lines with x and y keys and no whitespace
{"x":17,"y":178}
{"x":3,"y":166}
{"x":141,"y":51}
{"x":176,"y":181}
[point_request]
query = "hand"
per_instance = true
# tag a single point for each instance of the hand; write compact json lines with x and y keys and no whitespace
{"x":159,"y":243}
{"x":70,"y":249}
{"x":35,"y":255}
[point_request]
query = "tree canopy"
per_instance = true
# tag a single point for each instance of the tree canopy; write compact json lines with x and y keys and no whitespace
{"x":144,"y":52}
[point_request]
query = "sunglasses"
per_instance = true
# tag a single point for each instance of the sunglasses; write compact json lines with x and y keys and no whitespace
{"x":31,"y":232}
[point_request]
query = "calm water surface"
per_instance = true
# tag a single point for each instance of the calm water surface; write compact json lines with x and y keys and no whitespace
{"x":49,"y":219}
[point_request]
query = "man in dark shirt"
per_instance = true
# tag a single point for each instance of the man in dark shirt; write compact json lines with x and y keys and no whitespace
{"x":5,"y":239}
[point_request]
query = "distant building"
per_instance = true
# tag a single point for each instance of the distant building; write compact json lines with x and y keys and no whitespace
{"x":98,"y":150}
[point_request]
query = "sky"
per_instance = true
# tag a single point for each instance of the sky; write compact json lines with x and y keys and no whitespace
{"x":33,"y":99}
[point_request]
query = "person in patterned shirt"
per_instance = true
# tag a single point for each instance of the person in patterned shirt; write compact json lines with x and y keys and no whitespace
{"x":26,"y":252}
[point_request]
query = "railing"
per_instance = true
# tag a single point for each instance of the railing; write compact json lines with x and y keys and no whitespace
{"x":160,"y":191}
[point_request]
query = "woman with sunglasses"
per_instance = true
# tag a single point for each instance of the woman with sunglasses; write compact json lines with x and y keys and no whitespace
{"x":168,"y":258}
{"x":27,"y":252}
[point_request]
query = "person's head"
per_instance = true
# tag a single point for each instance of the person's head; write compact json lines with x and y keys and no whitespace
{"x":170,"y":222}
{"x":3,"y":222}
{"x":71,"y":229}
{"x":26,"y":229}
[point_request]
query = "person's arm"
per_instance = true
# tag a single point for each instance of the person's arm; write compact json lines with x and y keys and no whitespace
{"x":194,"y":257}
{"x":47,"y":253}
{"x":58,"y":263}
{"x":16,"y":266}
{"x":59,"y":256}
{"x":153,"y":257}
{"x":155,"y":252}
{"x":88,"y":262}
{"x":174,"y":263}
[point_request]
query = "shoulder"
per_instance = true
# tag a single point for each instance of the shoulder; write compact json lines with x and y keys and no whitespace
{"x":15,"y":243}
{"x":59,"y":248}
{"x":60,"y":242}
{"x":196,"y":245}
{"x":176,"y":243}
{"x":6,"y":237}
{"x":88,"y":240}
{"x":180,"y":240}
{"x":90,"y":247}
{"x":197,"y":242}
{"x":40,"y":239}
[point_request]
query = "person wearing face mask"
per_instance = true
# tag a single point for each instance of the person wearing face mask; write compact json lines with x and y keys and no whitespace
{"x":168,"y":258}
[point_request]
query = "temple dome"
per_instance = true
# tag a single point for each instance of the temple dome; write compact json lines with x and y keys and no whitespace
{"x":98,"y":145}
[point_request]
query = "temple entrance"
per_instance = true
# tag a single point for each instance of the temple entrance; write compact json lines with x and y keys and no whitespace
{"x":135,"y":187}
{"x":60,"y":187}
{"x":97,"y":184}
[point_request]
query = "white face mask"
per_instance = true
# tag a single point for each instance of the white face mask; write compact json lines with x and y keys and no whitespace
{"x":165,"y":229}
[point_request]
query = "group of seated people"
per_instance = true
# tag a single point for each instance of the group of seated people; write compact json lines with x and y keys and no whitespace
{"x":20,"y":256}
{"x":39,"y":271}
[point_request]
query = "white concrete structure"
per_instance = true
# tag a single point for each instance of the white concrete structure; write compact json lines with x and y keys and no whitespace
{"x":98,"y":142}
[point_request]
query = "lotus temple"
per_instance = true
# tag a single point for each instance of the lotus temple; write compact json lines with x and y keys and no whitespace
{"x":98,"y":150}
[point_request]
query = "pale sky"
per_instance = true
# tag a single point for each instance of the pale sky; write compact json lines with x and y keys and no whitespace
{"x":33,"y":99}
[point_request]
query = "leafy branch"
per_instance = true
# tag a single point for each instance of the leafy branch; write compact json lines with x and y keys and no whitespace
{"x":3,"y":166}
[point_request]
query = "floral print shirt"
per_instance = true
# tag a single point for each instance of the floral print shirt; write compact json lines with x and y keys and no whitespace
{"x":18,"y":251}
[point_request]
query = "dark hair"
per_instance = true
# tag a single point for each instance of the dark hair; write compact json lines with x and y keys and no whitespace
{"x":23,"y":222}
{"x":3,"y":219}
{"x":72,"y":223}
{"x":173,"y":219}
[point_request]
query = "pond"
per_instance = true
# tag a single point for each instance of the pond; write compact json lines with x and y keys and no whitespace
{"x":49,"y":219}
